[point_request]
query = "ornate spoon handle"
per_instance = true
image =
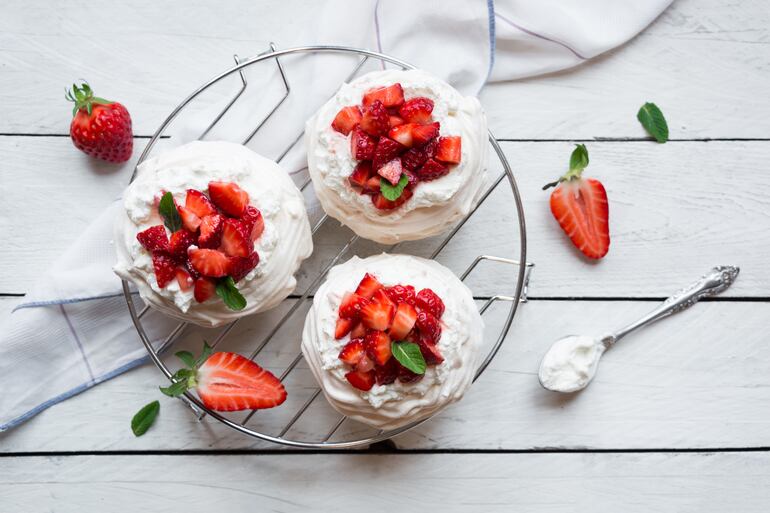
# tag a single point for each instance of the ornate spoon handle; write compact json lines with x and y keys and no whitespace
{"x":716,"y":281}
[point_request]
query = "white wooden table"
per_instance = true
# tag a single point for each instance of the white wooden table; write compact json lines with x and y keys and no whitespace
{"x":677,"y":420}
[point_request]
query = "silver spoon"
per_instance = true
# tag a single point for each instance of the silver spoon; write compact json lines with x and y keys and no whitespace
{"x":571,"y":362}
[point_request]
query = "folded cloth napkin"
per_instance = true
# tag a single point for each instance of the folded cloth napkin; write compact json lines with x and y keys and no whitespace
{"x":72,"y":330}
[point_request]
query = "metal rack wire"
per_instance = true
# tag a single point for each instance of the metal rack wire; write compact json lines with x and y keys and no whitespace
{"x":324,"y":439}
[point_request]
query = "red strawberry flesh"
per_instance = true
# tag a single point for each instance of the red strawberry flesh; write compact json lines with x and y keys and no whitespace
{"x":229,"y":197}
{"x":346,"y":119}
{"x":231,"y":382}
{"x":153,"y":238}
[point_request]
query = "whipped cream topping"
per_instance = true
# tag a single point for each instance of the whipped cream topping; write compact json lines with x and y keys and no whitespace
{"x":570,"y":364}
{"x":395,"y":405}
{"x":436,"y":205}
{"x":284,"y":244}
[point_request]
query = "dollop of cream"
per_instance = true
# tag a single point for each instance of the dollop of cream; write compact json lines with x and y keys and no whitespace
{"x":284,"y":244}
{"x":571,"y":363}
{"x":395,"y":405}
{"x":436,"y":205}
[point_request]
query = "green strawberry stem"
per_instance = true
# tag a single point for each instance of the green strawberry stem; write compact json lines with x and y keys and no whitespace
{"x":84,"y":98}
{"x":578,"y":161}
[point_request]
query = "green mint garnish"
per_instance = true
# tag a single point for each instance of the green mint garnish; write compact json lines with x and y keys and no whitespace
{"x":652,"y":120}
{"x":227,"y":290}
{"x":409,"y":355}
{"x":393,"y":192}
{"x":169,"y":213}
{"x":144,"y":418}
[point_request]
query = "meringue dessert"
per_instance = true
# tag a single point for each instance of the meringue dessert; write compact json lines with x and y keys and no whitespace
{"x":212,"y":231}
{"x":392,"y":339}
{"x":398,"y":155}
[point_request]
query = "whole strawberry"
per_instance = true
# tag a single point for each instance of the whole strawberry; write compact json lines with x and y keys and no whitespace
{"x":99,"y":127}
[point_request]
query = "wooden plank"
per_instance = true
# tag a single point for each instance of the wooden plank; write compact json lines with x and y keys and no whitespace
{"x":697,"y":380}
{"x":699,"y":482}
{"x":676,"y":210}
{"x":154,"y":59}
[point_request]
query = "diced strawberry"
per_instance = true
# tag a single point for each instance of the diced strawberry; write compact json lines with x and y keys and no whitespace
{"x":241,"y":266}
{"x":360,"y":174}
{"x":382,"y":298}
{"x":421,"y":134}
{"x":255,"y":223}
{"x":199,"y":204}
{"x":211,"y":231}
{"x":390,"y":96}
{"x":402,"y":134}
{"x":153,"y":238}
{"x":407,"y":376}
{"x":429,"y":301}
{"x":411,"y":176}
{"x":394,"y":121}
{"x":375,"y":120}
{"x":417,"y":110}
{"x":190,"y":221}
{"x":382,"y":203}
{"x":430,"y":352}
{"x":205,"y":288}
{"x":230,"y":198}
{"x":236,"y":240}
{"x":403,"y":321}
{"x":365,"y":364}
{"x":377,"y":316}
{"x":184,"y":279}
{"x":401,"y":294}
{"x":179,"y":242}
{"x":449,"y":149}
{"x":391,"y":171}
{"x":164,"y":266}
{"x":378,"y":346}
{"x":368,"y":285}
{"x":387,"y":150}
{"x":431,"y":170}
{"x":351,"y":306}
{"x":189,"y":268}
{"x":386,"y":374}
{"x":372,"y":185}
{"x":358,"y":331}
{"x":210,"y":262}
{"x":429,"y":326}
{"x":343,"y":327}
{"x":416,"y":157}
{"x":346,"y":119}
{"x":362,"y":145}
{"x":231,"y":382}
{"x":361,"y":380}
{"x":353,"y":352}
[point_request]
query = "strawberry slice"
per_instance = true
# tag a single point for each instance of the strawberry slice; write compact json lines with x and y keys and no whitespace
{"x":449,"y":149}
{"x":360,"y":174}
{"x":368,"y":285}
{"x":403,"y":321}
{"x":179,"y":242}
{"x":353,"y":352}
{"x":343,"y":327}
{"x":382,"y":203}
{"x":153,"y":238}
{"x":402,"y":134}
{"x":199,"y":204}
{"x":401,"y":294}
{"x":387,"y":374}
{"x":387,"y":150}
{"x":394,"y":121}
{"x":362,"y":145}
{"x":236,"y":240}
{"x":372,"y":185}
{"x":358,"y":331}
{"x":231,"y":382}
{"x":377,"y":316}
{"x":184,"y":279}
{"x":230,"y":198}
{"x":346,"y":119}
{"x":375,"y":120}
{"x":429,"y":301}
{"x":390,"y":96}
{"x":164,"y":266}
{"x":378,"y":346}
{"x":205,"y":288}
{"x":431,"y":170}
{"x":417,"y":110}
{"x":190,"y":221}
{"x":351,"y":306}
{"x":422,"y":134}
{"x":210,"y":262}
{"x":254,"y":222}
{"x":361,"y":380}
{"x":211,"y":231}
{"x":429,"y":326}
{"x":241,"y":266}
{"x":391,"y":171}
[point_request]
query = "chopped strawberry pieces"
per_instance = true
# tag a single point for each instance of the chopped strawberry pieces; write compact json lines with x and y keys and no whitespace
{"x":199,"y":204}
{"x":210,"y":262}
{"x":362,"y":145}
{"x":346,"y":119}
{"x":389,"y":96}
{"x":391,"y":171}
{"x":179,"y":242}
{"x":153,"y":238}
{"x":377,"y":316}
{"x":372,"y":185}
{"x":378,"y":346}
{"x":343,"y":327}
{"x":353,"y":352}
{"x":184,"y":279}
{"x":416,"y":157}
{"x":417,"y":110}
{"x":190,"y":221}
{"x":241,"y":266}
{"x":211,"y":231}
{"x":361,"y":380}
{"x":422,"y":134}
{"x":375,"y":120}
{"x":428,"y":300}
{"x":361,"y":174}
{"x":394,"y":121}
{"x":205,"y":288}
{"x":402,"y":134}
{"x":387,"y":374}
{"x":358,"y":331}
{"x":430,"y":352}
{"x":236,"y":239}
{"x":230,"y":198}
{"x":382,"y":203}
{"x":368,"y":286}
{"x":449,"y":150}
{"x":403,"y":321}
{"x":429,"y":326}
{"x":431,"y":170}
{"x":255,"y":223}
{"x":351,"y":306}
{"x":165,"y":268}
{"x":387,"y":150}
{"x":401,"y":294}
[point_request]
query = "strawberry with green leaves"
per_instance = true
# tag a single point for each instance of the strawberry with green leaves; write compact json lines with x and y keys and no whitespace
{"x":100,"y":128}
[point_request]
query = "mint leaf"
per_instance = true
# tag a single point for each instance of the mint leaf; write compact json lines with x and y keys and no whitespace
{"x":393,"y":192}
{"x":167,"y":210}
{"x":207,"y":351}
{"x":144,"y":418}
{"x":227,"y":290}
{"x":175,"y":389}
{"x":579,"y":158}
{"x":652,"y":120}
{"x":409,"y":355}
{"x":186,"y":357}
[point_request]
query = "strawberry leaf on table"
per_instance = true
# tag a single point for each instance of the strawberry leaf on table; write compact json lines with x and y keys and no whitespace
{"x":175,"y":389}
{"x":409,"y":355}
{"x":653,"y":121}
{"x":393,"y":192}
{"x":579,"y":158}
{"x":186,"y":357}
{"x":167,"y":210}
{"x":144,"y":418}
{"x":207,"y":351}
{"x":229,"y":293}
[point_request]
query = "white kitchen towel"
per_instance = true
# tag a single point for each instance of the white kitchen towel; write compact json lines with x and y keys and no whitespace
{"x":72,"y":330}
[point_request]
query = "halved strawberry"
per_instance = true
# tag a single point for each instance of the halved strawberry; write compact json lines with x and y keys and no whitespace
{"x":199,"y":204}
{"x":401,"y":294}
{"x":429,"y":301}
{"x":391,"y":171}
{"x":230,"y":198}
{"x":362,"y":145}
{"x":358,"y":331}
{"x":343,"y":327}
{"x":360,"y":174}
{"x":184,"y":279}
{"x":378,"y":346}
{"x":205,"y":288}
{"x":430,"y":352}
{"x":153,"y":238}
{"x":387,"y":374}
{"x":236,"y":240}
{"x":351,"y":306}
{"x":375,"y":120}
{"x":368,"y":285}
{"x":403,"y":321}
{"x":431,"y":170}
{"x":387,"y":150}
{"x":449,"y":149}
{"x":346,"y":119}
{"x":395,"y":121}
{"x":353,"y":352}
{"x":190,"y":221}
{"x":429,"y":326}
{"x":210,"y":262}
{"x":372,"y":185}
{"x":164,"y":266}
{"x":241,"y":266}
{"x":422,"y":134}
{"x":382,"y":203}
{"x":390,"y":96}
{"x":255,"y":223}
{"x":231,"y":382}
{"x":211,"y":231}
{"x":417,"y":110}
{"x":179,"y":242}
{"x":361,"y":380}
{"x":377,"y":316}
{"x":402,"y":134}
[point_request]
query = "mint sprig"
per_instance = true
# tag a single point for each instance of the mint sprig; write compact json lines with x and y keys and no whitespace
{"x":229,"y":293}
{"x":409,"y":355}
{"x":144,"y":418}
{"x":653,"y":121}
{"x":167,"y":210}
{"x":393,"y":192}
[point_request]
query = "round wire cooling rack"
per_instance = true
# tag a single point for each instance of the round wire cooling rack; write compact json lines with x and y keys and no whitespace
{"x":324,"y":439}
